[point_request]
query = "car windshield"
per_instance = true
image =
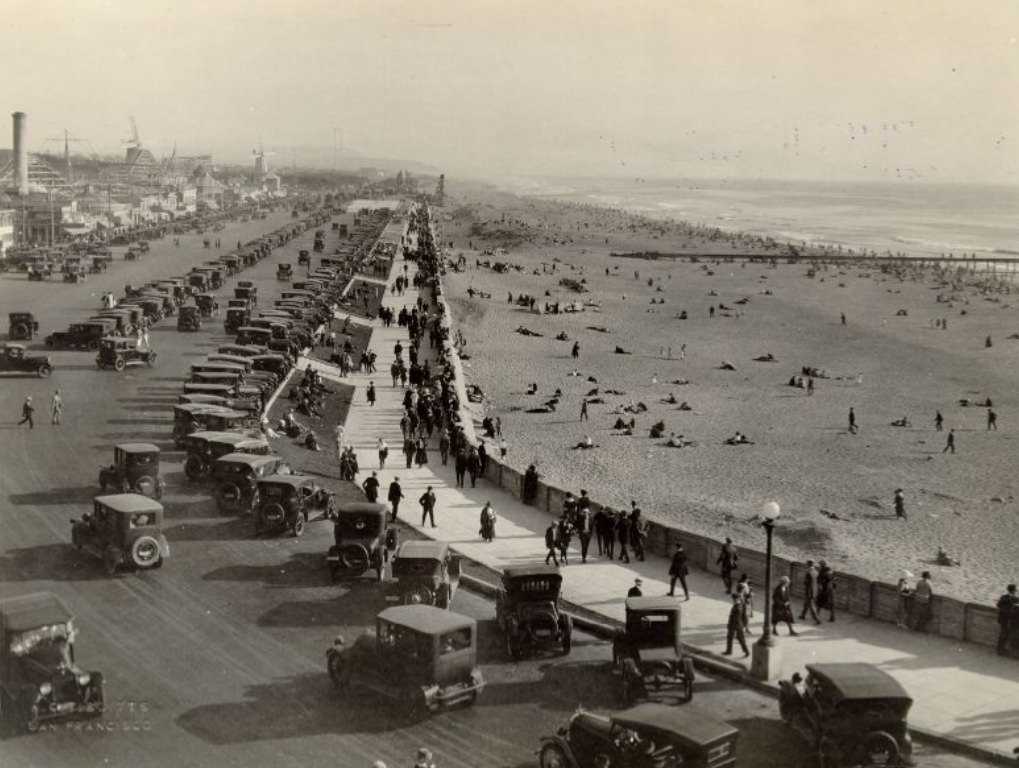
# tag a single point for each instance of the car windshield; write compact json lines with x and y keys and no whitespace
{"x":234,"y":469}
{"x":48,"y":655}
{"x":359,"y":524}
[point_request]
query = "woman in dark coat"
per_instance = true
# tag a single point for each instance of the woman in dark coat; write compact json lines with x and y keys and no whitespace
{"x":421,"y":452}
{"x":781,"y":607}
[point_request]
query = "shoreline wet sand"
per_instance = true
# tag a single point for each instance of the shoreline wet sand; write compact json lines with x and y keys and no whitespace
{"x":888,"y":361}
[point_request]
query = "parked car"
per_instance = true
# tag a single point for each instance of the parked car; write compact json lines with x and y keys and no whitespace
{"x":207,"y":305}
{"x":851,"y":713}
{"x":39,"y":679}
{"x":289,"y":502}
{"x":22,"y":326}
{"x":237,"y":476}
{"x":203,"y":448}
{"x":81,"y":335}
{"x":648,"y":653}
{"x":123,"y":529}
{"x":363,"y":540}
{"x":528,"y":611}
{"x":646,"y":736}
{"x":189,"y":318}
{"x":303,"y":257}
{"x":13,"y":359}
{"x":425,"y":572}
{"x":284,"y":271}
{"x":135,"y":468}
{"x":121,"y":319}
{"x":117,"y":353}
{"x":421,"y":658}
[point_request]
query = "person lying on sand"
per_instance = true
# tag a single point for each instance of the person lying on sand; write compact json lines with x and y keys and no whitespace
{"x":678,"y":441}
{"x":548,"y":407}
{"x":599,"y":328}
{"x":592,"y":379}
{"x":684,"y":406}
{"x":670,"y":400}
{"x":561,"y":336}
{"x":614,"y":392}
{"x":527,"y":332}
{"x":620,"y":424}
{"x":767,"y":358}
{"x":727,"y":366}
{"x":903,"y":422}
{"x":574,"y":372}
{"x":680,"y":382}
{"x":586,"y":444}
{"x":532,"y":389}
{"x":738,"y":439}
{"x":944,"y":558}
{"x":621,"y":351}
{"x":657,"y":429}
{"x":592,"y":392}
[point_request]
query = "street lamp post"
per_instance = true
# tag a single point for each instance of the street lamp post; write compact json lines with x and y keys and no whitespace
{"x":766,"y":663}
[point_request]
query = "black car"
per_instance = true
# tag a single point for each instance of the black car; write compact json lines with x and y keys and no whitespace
{"x":648,"y":653}
{"x":528,"y":611}
{"x":82,"y":335}
{"x":14,"y":360}
{"x":362,"y":540}
{"x":289,"y":502}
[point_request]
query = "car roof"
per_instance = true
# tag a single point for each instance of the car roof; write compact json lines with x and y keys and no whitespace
{"x":426,"y":618}
{"x":856,"y":680}
{"x":427,"y":550}
{"x":8,"y":345}
{"x":130,"y":502}
{"x":362,"y":507}
{"x":652,"y":604}
{"x":294,"y":481}
{"x":682,"y":723}
{"x":39,"y":609}
{"x":247,"y":458}
{"x":523,"y":571}
{"x":137,"y":447}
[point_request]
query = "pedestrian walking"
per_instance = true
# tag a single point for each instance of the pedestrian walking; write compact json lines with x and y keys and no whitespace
{"x":922,"y":596}
{"x":637,"y":589}
{"x":550,"y":544}
{"x":782,"y":607}
{"x":583,"y":410}
{"x":576,"y":350}
{"x":746,"y":596}
{"x":395,"y":495}
{"x":992,"y":420}
{"x":826,"y":589}
{"x":488,"y":518}
{"x":371,"y":393}
{"x":460,"y":466}
{"x":623,"y":535}
{"x":939,"y":421}
{"x":900,"y":504}
{"x":564,"y":535}
{"x":427,"y":502}
{"x":444,"y":445}
{"x":584,"y":524}
{"x":905,"y":594}
{"x":371,"y":487}
{"x":56,"y":407}
{"x":735,"y":628}
{"x":810,"y":593}
{"x":473,"y":465}
{"x":409,"y":448}
{"x":637,"y":531}
{"x":27,"y":409}
{"x":1008,"y":620}
{"x":727,"y":561}
{"x":609,"y":532}
{"x":852,"y":421}
{"x":950,"y":444}
{"x":810,"y":385}
{"x":678,"y":571}
{"x":383,"y":453}
{"x":421,"y":452}
{"x":482,"y":457}
{"x":404,"y":424}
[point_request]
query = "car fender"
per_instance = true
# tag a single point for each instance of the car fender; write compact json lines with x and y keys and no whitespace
{"x":564,"y":745}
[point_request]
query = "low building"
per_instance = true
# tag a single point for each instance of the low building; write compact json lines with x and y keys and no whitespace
{"x":7,"y":221}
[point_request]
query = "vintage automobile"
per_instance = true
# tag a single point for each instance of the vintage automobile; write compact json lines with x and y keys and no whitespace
{"x":646,"y":736}
{"x":240,"y":350}
{"x":192,"y":417}
{"x":235,"y":319}
{"x":363,"y":540}
{"x":189,"y":318}
{"x":648,"y":653}
{"x":289,"y":502}
{"x":284,"y":271}
{"x":14,"y":360}
{"x":207,"y":304}
{"x":135,"y":468}
{"x":247,"y":290}
{"x":125,"y":528}
{"x":118,"y":352}
{"x":81,"y":335}
{"x":422,"y":658}
{"x":237,"y":476}
{"x":425,"y":572}
{"x":99,"y":264}
{"x":303,"y":258}
{"x":528,"y":611}
{"x":75,"y":274}
{"x":41,"y":270}
{"x":22,"y":326}
{"x":851,"y":713}
{"x":121,"y":319}
{"x":39,"y":679}
{"x":249,"y":335}
{"x":203,"y":448}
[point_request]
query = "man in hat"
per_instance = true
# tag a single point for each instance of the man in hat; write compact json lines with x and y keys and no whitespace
{"x":1008,"y":619}
{"x":735,"y":628}
{"x":583,"y":523}
{"x":551,"y":543}
{"x":826,"y":589}
{"x":635,"y":590}
{"x":424,"y":758}
{"x":810,"y":593}
{"x":782,"y":607}
{"x":371,"y":487}
{"x":679,"y":570}
{"x":923,"y":593}
{"x":727,"y":560}
{"x":395,"y":495}
{"x":27,"y":409}
{"x":427,"y":502}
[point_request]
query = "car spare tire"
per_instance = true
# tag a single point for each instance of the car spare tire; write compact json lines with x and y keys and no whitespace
{"x":418,"y":594}
{"x":881,"y":748}
{"x":144,"y":552}
{"x":541,"y":626}
{"x":19,"y":331}
{"x":355,"y":558}
{"x":228,"y":494}
{"x":274,"y":514}
{"x":195,"y":467}
{"x":145,"y":485}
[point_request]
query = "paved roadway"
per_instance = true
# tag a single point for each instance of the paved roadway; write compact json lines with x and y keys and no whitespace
{"x":218,"y":658}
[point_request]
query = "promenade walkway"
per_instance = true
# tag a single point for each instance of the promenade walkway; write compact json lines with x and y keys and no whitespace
{"x":962,"y":692}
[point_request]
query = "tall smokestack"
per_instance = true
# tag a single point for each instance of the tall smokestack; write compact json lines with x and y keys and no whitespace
{"x":20,"y":153}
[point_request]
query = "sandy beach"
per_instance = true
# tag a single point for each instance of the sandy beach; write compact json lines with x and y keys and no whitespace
{"x":888,"y":361}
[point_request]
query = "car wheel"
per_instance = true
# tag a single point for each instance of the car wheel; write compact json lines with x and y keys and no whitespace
{"x":144,"y":552}
{"x":298,"y":526}
{"x":119,"y":364}
{"x":687,"y":671}
{"x":827,"y":754}
{"x":145,"y":485}
{"x":566,"y":628}
{"x":881,"y":748}
{"x":19,"y":331}
{"x":95,"y":699}
{"x":30,"y":717}
{"x":44,"y":371}
{"x":553,"y":756}
{"x":110,"y":561}
{"x":339,"y":671}
{"x":419,"y":594}
{"x":151,"y":359}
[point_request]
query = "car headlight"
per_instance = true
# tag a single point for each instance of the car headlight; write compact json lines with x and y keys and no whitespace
{"x":45,"y":689}
{"x":84,"y":678}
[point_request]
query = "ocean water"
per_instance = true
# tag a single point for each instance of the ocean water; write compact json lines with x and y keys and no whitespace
{"x":914,"y":219}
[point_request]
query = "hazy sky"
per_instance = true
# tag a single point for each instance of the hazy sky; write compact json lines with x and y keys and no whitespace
{"x":844,"y":89}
